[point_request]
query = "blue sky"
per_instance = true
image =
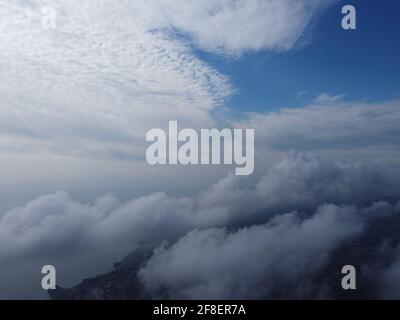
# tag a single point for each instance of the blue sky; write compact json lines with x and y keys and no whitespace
{"x":363,"y":64}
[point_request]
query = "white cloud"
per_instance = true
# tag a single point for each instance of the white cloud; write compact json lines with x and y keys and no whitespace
{"x":364,"y":130}
{"x":233,"y":27}
{"x":301,"y":182}
{"x":88,"y":237}
{"x":326,"y":98}
{"x":297,"y":182}
{"x":101,"y":73}
{"x":253,"y":262}
{"x":122,"y":65}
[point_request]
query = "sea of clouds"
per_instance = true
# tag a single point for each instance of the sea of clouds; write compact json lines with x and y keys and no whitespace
{"x":237,"y":239}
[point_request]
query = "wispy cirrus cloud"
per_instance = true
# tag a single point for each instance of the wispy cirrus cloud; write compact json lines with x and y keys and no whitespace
{"x":254,"y":25}
{"x":332,"y":125}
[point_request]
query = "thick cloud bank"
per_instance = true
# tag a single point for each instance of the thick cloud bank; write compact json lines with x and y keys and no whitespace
{"x":297,"y":182}
{"x":290,"y":257}
{"x":230,"y":241}
{"x":252,"y":262}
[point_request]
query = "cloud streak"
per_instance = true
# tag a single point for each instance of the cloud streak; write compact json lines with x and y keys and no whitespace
{"x":342,"y":130}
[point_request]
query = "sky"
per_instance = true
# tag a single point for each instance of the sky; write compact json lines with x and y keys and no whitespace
{"x":362,"y":64}
{"x":77,"y":101}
